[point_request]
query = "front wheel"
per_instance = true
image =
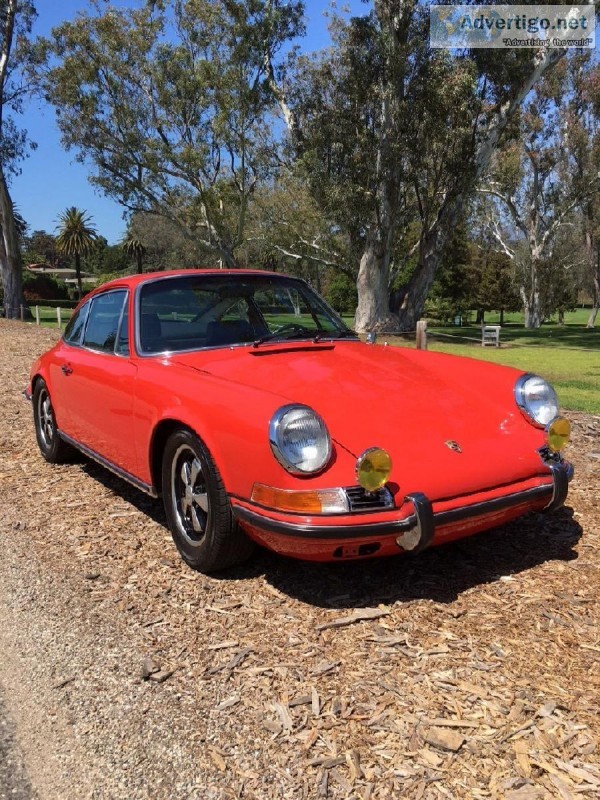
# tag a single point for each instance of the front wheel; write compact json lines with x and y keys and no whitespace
{"x":197,"y":507}
{"x":52,"y":447}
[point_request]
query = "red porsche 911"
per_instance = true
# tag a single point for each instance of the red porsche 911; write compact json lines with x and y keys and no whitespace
{"x":244,"y":400}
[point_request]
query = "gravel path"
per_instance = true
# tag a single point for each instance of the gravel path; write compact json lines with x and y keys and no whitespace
{"x":14,"y":781}
{"x":125,"y":675}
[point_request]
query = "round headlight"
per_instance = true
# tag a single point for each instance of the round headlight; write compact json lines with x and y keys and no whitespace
{"x":537,"y":399}
{"x":299,"y":439}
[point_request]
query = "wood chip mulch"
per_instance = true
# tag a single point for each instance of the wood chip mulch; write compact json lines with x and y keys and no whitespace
{"x":472,"y":670}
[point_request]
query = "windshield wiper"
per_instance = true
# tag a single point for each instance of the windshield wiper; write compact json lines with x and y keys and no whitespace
{"x":283,"y":335}
{"x":299,"y":332}
{"x":340,"y":334}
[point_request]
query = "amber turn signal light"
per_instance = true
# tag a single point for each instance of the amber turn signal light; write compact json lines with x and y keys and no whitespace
{"x":301,"y":501}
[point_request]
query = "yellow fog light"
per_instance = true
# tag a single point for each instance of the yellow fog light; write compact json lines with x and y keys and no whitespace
{"x":558,"y":434}
{"x":373,"y":468}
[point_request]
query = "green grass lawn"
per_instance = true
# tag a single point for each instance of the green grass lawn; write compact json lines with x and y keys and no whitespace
{"x":570,"y":335}
{"x":48,"y":317}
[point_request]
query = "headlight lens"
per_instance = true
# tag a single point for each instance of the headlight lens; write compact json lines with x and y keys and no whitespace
{"x":299,"y":439}
{"x":537,"y":399}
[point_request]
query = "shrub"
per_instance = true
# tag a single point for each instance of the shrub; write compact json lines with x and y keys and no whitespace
{"x":42,"y":288}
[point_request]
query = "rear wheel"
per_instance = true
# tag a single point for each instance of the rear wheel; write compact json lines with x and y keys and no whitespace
{"x":52,"y":447}
{"x":197,"y":507}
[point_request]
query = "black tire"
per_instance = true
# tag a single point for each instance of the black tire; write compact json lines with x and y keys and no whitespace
{"x":197,"y":507}
{"x":52,"y":447}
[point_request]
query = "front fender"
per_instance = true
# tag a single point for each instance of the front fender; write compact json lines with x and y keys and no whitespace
{"x":233,"y":422}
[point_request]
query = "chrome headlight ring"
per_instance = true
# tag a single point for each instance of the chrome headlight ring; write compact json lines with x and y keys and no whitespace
{"x":537,"y":399}
{"x":299,"y":439}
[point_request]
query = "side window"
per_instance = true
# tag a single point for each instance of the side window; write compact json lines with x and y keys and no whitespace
{"x":103,"y":321}
{"x":122,"y":347}
{"x":75,"y":326}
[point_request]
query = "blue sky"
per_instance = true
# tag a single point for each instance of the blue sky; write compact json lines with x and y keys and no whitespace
{"x":51,"y":179}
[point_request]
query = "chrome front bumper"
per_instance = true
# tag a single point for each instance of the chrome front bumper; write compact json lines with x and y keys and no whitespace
{"x":416,"y":532}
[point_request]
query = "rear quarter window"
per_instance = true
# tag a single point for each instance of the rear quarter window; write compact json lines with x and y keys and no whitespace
{"x":103,"y":321}
{"x":76,"y":324}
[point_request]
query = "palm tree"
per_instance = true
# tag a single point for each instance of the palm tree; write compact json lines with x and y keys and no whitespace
{"x":76,"y":237}
{"x":135,"y":250}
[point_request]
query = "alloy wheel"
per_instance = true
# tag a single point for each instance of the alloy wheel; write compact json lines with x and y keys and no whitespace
{"x":189,"y":494}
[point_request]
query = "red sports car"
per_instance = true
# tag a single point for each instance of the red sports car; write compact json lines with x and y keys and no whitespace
{"x":244,"y":400}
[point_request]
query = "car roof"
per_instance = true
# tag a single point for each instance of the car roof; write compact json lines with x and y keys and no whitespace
{"x":131,"y":281}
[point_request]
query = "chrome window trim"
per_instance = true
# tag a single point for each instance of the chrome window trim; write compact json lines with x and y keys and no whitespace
{"x":125,"y":306}
{"x":213,"y":274}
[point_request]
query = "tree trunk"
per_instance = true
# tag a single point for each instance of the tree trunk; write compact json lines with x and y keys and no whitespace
{"x":561,"y":317}
{"x":10,"y":257}
{"x":78,"y":275}
{"x":431,"y":250}
{"x":596,"y":293}
{"x":501,"y":316}
{"x":532,"y":306}
{"x":419,"y":285}
{"x":372,"y":312}
{"x":227,"y":260}
{"x":138,"y":257}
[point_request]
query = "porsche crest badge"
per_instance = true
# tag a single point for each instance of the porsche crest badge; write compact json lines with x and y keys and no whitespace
{"x":452,"y":445}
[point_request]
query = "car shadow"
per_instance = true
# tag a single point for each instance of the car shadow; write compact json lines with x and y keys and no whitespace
{"x":138,"y":499}
{"x":440,"y":574}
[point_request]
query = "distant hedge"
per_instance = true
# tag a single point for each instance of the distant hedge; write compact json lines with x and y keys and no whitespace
{"x":53,"y":303}
{"x":43,"y":288}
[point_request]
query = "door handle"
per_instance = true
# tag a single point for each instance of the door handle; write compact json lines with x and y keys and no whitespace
{"x":67,"y":369}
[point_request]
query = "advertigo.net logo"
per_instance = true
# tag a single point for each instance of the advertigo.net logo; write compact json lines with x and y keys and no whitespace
{"x":512,"y":26}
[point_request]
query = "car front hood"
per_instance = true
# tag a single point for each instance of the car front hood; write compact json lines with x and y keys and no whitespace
{"x":450,"y":424}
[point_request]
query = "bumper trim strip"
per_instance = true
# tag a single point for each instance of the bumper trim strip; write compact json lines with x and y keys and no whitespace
{"x":424,"y":517}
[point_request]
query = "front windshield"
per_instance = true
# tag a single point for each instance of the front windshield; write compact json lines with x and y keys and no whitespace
{"x":197,"y":311}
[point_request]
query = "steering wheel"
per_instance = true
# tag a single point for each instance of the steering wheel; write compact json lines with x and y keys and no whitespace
{"x":291,"y":327}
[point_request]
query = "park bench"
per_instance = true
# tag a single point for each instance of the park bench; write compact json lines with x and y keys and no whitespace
{"x":490,"y":335}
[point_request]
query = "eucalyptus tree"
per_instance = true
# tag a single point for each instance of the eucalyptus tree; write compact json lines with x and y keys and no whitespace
{"x":76,"y":237}
{"x":287,"y":228}
{"x":392,"y":131}
{"x":540,"y":182}
{"x":582,"y":123}
{"x":16,"y":18}
{"x":170,"y":104}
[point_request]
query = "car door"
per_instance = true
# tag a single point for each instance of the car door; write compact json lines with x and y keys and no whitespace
{"x":60,"y":369}
{"x":101,"y":382}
